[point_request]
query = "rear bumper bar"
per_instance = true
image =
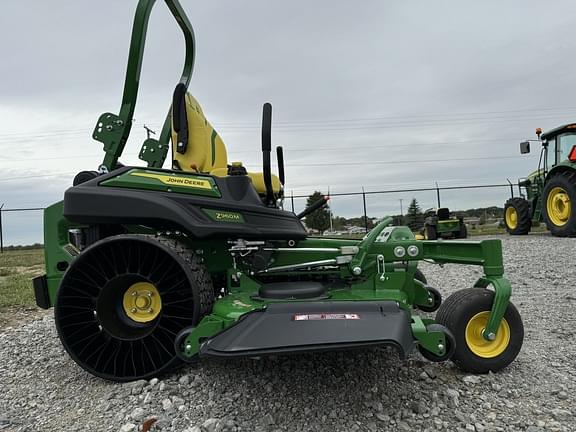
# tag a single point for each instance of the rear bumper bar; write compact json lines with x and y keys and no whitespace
{"x":41,"y":295}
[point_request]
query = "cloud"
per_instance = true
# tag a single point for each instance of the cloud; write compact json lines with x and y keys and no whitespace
{"x":351,"y":84}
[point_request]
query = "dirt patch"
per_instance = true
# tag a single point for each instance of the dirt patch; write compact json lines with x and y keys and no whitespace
{"x":16,"y":316}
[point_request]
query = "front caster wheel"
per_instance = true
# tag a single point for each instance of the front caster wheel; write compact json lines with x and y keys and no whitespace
{"x":450,"y":344}
{"x":434,"y":299}
{"x":466,"y":314}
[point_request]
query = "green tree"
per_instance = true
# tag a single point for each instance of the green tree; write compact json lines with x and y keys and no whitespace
{"x":339,"y":223}
{"x":318,"y":219}
{"x":414,"y":217}
{"x":398,"y":220}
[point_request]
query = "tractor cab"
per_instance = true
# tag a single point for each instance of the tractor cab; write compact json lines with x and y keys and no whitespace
{"x":560,"y":141}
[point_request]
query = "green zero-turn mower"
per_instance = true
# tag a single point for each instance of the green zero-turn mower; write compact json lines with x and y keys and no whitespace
{"x":147,"y":268}
{"x":549,"y":193}
{"x":441,"y":224}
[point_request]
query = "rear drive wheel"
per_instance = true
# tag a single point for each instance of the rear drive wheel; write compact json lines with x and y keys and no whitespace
{"x":123,"y":301}
{"x":517,"y":216}
{"x":560,"y":204}
{"x":466,"y":314}
{"x":430,"y":232}
{"x":463,"y":233}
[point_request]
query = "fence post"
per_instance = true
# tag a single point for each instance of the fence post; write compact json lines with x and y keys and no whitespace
{"x":438,"y":194}
{"x":292,"y":199}
{"x":1,"y":233}
{"x":365,"y":215}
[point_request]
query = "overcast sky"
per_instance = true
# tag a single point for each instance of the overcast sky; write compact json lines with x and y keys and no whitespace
{"x":380,"y":94}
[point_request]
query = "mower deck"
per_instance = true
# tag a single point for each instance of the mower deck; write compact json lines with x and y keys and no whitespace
{"x":314,"y":326}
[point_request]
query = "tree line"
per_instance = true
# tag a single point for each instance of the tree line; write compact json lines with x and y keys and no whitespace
{"x":414,"y":217}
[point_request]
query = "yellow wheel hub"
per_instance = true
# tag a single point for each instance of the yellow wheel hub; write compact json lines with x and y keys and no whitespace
{"x":558,"y":206}
{"x":476,"y":341}
{"x":142,"y":302}
{"x":511,"y":217}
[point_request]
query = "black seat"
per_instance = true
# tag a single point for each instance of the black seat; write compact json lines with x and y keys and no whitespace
{"x":443,"y":213}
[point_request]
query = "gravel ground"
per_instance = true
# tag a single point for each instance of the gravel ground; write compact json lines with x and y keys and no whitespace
{"x":41,"y":389}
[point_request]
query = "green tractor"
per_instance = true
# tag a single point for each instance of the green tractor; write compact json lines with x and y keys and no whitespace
{"x":549,"y":193}
{"x":147,"y":267}
{"x":442,"y":224}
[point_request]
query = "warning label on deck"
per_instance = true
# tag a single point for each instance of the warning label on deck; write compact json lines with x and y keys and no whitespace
{"x":325,"y":316}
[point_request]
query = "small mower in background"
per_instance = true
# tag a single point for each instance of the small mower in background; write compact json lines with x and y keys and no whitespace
{"x":549,"y":193}
{"x":441,"y":224}
{"x":148,"y":267}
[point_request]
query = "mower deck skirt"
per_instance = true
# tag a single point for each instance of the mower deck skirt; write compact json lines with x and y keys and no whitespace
{"x":319,"y":326}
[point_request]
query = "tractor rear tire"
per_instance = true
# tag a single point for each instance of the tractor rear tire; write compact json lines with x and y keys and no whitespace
{"x":517,"y":216}
{"x":559,"y":203}
{"x":465,"y":313}
{"x":123,"y":301}
{"x":430,"y":232}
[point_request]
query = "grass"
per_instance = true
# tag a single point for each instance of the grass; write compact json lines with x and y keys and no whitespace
{"x":17,"y":268}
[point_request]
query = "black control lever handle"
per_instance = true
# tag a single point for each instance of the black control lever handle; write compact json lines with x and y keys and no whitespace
{"x":280,"y":157}
{"x":266,"y":149}
{"x":317,"y":205}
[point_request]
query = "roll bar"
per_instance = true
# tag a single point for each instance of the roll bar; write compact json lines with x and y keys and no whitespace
{"x":113,"y":130}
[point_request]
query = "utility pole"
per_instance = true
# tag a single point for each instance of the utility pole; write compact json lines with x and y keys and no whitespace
{"x":401,"y":210}
{"x":149,"y":132}
{"x":330,"y":212}
{"x":1,"y":235}
{"x":365,"y":215}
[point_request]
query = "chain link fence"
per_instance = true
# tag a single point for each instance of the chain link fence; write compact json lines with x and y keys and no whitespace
{"x":23,"y":226}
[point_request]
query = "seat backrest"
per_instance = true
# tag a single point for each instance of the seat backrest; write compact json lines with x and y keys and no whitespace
{"x":443,"y":213}
{"x":197,"y":147}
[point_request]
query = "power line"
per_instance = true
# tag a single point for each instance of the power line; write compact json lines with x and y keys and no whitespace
{"x":302,"y":149}
{"x":324,"y":125}
{"x":18,"y":178}
{"x":410,"y":116}
{"x":342,"y":163}
{"x":393,"y":162}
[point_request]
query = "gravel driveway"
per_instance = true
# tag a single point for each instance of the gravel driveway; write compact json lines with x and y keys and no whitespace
{"x":42,"y":389}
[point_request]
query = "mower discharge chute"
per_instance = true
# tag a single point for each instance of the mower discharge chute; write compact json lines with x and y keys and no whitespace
{"x":149,"y":267}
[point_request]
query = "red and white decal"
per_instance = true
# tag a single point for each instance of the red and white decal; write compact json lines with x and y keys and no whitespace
{"x":325,"y":316}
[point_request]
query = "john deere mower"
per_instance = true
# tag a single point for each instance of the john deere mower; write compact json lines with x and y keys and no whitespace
{"x":441,"y":224}
{"x":147,"y":267}
{"x":549,"y":193}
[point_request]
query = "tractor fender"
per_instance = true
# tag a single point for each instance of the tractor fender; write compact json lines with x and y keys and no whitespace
{"x":565,"y":166}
